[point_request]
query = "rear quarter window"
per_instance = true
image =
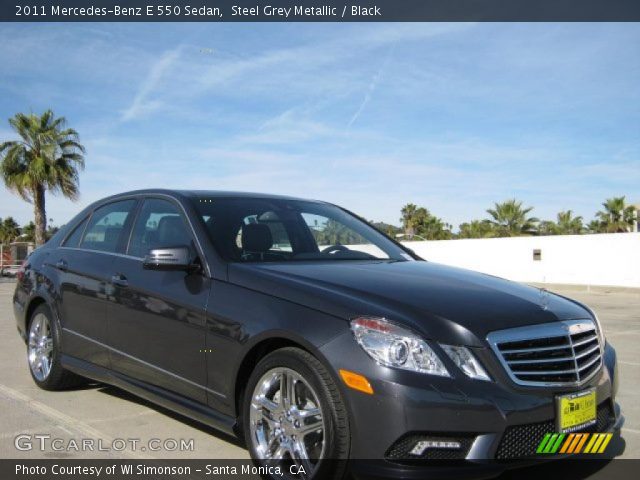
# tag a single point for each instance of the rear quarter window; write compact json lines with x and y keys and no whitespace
{"x":73,"y":240}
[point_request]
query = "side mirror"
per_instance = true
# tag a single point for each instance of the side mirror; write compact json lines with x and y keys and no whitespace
{"x":169,"y":258}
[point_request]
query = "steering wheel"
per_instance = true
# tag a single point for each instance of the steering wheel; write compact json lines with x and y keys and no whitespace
{"x":331,"y":249}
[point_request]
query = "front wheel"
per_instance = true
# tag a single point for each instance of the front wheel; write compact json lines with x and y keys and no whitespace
{"x":295,"y":419}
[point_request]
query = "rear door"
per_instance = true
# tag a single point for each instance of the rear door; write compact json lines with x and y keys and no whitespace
{"x":83,"y":263}
{"x":157,"y":319}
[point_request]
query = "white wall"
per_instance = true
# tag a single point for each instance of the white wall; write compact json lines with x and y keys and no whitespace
{"x":606,"y":259}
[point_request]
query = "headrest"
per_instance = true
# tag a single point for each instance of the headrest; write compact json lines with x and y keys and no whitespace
{"x":111,"y":235}
{"x":171,"y":231}
{"x":256,"y":237}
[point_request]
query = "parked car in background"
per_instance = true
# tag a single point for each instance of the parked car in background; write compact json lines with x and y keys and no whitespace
{"x":299,"y":327}
{"x":12,"y":256}
{"x":9,"y":271}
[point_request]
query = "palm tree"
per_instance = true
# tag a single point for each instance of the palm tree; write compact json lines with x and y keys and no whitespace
{"x":568,"y":224}
{"x":51,"y":229}
{"x":476,"y":229}
{"x":386,"y":228}
{"x":547,"y":227}
{"x":594,"y":226}
{"x":419,"y":222}
{"x":28,"y":232}
{"x":434,"y":228}
{"x":617,"y":216}
{"x":409,"y":219}
{"x":47,"y":157}
{"x":9,"y":230}
{"x":510,"y":219}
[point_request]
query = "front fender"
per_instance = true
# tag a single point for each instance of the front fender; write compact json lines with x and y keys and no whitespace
{"x":611,"y":362}
{"x":241,"y":320}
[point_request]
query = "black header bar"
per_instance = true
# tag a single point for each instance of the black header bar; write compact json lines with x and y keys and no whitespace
{"x":320,"y":11}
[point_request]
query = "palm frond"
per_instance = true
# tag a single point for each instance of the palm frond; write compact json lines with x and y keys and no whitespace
{"x":48,"y":157}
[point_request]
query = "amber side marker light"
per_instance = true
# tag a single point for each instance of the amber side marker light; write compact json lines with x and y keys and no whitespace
{"x":356,"y":381}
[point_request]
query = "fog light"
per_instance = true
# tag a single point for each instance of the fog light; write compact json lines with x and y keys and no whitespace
{"x":423,"y":445}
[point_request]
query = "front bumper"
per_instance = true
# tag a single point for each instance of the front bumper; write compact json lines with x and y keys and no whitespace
{"x":496,"y":420}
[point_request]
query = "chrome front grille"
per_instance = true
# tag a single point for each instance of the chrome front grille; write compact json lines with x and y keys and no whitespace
{"x":562,"y":353}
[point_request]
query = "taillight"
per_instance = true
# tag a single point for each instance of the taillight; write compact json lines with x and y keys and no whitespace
{"x":21,"y":270}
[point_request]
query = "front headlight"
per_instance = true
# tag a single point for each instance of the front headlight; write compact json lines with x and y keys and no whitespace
{"x":393,"y":346}
{"x":466,"y":361}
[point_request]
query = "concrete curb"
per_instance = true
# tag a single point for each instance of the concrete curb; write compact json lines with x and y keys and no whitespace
{"x":586,"y":288}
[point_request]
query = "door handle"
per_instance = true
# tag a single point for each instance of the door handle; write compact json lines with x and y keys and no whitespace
{"x":120,"y":280}
{"x":62,"y":265}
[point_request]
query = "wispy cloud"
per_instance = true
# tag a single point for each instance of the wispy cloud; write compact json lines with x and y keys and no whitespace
{"x":369,"y":92}
{"x":141,"y":103}
{"x":449,"y":116}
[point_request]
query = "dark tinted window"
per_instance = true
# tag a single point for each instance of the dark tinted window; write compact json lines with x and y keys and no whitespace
{"x":265,"y":229}
{"x":159,"y":224}
{"x":106,"y":226}
{"x":73,"y":240}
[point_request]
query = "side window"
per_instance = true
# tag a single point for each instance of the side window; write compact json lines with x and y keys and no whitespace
{"x":106,"y":227}
{"x":159,"y":224}
{"x":73,"y":240}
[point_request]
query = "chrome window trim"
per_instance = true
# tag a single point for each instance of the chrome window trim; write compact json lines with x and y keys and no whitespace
{"x":563,"y":328}
{"x":115,"y":254}
{"x":151,"y":365}
{"x":143,"y":196}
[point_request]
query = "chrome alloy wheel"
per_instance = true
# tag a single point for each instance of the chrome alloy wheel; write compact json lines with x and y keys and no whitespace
{"x":40,"y":347}
{"x":287,"y":424}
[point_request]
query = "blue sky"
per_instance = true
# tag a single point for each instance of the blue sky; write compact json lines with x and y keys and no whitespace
{"x":371,"y":116}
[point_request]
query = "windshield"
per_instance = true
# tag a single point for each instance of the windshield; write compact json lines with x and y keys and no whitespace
{"x":276,"y":230}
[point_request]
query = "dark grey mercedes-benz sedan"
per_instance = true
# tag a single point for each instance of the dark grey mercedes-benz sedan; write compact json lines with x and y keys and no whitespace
{"x":299,"y":327}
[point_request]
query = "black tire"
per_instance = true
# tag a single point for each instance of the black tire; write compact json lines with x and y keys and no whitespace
{"x":337,"y":436}
{"x":58,"y":378}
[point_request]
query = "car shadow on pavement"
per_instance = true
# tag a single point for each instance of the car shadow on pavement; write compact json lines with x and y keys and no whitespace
{"x":124,"y":395}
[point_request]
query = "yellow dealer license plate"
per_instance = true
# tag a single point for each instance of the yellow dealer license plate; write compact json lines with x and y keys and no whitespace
{"x":576,"y":410}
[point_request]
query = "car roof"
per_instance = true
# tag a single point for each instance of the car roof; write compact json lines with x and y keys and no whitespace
{"x":196,"y":194}
{"x":223,"y":193}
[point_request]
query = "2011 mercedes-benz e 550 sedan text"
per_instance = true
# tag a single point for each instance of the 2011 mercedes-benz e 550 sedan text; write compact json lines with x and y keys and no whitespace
{"x":298,"y":326}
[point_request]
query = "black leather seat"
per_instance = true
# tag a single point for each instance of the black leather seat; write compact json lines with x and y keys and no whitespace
{"x":111,"y":237}
{"x":256,"y":238}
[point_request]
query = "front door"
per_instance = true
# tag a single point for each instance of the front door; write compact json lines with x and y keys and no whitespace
{"x":157,"y":318}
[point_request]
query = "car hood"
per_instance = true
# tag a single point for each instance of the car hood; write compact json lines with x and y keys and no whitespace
{"x":442,"y":302}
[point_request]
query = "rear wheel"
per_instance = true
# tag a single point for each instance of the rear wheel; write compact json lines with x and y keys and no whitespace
{"x":43,"y":353}
{"x":295,"y":419}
